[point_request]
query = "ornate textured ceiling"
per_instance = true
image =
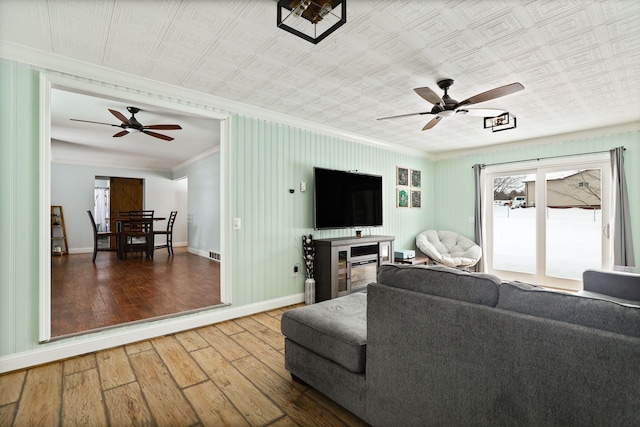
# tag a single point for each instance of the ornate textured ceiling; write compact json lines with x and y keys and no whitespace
{"x":578,"y":60}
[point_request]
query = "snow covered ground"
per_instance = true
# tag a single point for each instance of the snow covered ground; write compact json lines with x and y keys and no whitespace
{"x":573,"y":240}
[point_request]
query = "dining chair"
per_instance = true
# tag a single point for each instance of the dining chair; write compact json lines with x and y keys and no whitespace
{"x":168,"y":233}
{"x":137,"y":233}
{"x":97,"y":235}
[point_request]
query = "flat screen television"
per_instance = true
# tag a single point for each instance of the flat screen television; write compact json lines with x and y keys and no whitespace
{"x":346,"y":199}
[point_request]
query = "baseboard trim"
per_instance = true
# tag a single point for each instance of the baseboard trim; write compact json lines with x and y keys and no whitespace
{"x":88,"y":343}
{"x":199,"y":252}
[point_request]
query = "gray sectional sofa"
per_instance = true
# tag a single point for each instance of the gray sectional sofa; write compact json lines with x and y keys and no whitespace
{"x":438,"y":346}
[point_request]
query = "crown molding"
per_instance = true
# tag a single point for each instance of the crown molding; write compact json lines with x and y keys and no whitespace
{"x":197,"y":158}
{"x":50,"y":62}
{"x":543,"y":140}
{"x":72,"y":68}
{"x":81,"y":162}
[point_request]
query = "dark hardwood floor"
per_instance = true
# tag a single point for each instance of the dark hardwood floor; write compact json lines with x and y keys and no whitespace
{"x":87,"y":296}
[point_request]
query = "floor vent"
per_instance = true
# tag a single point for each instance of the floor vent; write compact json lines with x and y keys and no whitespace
{"x":214,"y":255}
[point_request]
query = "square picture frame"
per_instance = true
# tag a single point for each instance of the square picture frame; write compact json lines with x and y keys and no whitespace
{"x":402,"y":176}
{"x":402,"y":197}
{"x":416,"y":178}
{"x":416,"y":199}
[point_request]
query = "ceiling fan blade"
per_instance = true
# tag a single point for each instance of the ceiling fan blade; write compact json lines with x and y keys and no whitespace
{"x":404,"y":115}
{"x":163,"y":127}
{"x":98,"y":123}
{"x":481,"y":112}
{"x":121,"y":133}
{"x":429,"y":95}
{"x":432,"y":123}
{"x":158,"y":135}
{"x":120,"y":116}
{"x":493,"y":93}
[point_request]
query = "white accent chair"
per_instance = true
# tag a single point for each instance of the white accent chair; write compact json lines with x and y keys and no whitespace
{"x":449,"y":248}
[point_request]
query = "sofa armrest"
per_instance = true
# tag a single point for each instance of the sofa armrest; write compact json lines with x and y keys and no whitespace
{"x":617,"y":284}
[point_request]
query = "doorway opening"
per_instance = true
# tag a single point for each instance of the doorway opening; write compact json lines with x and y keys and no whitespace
{"x":113,"y":195}
{"x":101,"y":203}
{"x":80,"y":195}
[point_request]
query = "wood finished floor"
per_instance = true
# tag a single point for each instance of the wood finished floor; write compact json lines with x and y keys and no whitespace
{"x":87,"y":296}
{"x":231,"y":373}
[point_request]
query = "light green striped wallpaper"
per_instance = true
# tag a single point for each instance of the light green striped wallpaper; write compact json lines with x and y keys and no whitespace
{"x":18,"y":207}
{"x":267,"y":159}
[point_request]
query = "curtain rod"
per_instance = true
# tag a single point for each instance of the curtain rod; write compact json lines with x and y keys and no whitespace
{"x":545,"y":158}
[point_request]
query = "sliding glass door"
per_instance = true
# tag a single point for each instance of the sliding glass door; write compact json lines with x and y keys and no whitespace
{"x":513,"y":233}
{"x":548,"y":223}
{"x":573,"y":214}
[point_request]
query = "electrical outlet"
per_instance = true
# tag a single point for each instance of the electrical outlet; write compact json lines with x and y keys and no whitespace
{"x":303,"y":186}
{"x":295,"y":271}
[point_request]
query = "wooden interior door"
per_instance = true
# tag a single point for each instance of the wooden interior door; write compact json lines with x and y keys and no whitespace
{"x":125,"y":194}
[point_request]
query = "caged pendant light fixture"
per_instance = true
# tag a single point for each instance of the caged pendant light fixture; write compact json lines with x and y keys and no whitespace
{"x":312,"y":20}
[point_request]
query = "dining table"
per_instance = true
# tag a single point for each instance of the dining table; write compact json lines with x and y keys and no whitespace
{"x":120,"y":241}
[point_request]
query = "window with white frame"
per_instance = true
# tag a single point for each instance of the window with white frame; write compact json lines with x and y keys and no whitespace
{"x":548,"y":220}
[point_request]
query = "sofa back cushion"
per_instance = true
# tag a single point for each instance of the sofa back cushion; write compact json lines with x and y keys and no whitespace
{"x":442,"y":281}
{"x":592,"y":312}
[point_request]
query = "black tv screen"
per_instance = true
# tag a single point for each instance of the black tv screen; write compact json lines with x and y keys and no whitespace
{"x":346,"y":199}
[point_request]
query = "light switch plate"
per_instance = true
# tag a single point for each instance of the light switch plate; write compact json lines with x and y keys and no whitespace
{"x":237,"y":224}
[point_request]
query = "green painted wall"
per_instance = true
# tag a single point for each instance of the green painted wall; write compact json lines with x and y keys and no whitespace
{"x":267,"y":159}
{"x":454,"y":196}
{"x":19,"y":210}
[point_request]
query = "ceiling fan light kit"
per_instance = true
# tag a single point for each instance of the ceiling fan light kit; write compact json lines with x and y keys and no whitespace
{"x":312,"y":20}
{"x":446,"y":106}
{"x":502,"y":122}
{"x":133,"y":123}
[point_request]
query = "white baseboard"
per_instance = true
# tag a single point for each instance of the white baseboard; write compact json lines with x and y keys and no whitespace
{"x":198,"y":252}
{"x":73,"y":251}
{"x":78,"y":345}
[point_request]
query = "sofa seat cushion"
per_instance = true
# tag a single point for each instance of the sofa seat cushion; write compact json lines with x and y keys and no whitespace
{"x":591,"y":311}
{"x":335,"y":329}
{"x":442,"y":281}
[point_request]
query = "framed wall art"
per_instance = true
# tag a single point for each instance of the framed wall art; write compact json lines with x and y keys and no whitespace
{"x":402,"y":198}
{"x":402,"y":176}
{"x":416,"y":178}
{"x":416,"y":199}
